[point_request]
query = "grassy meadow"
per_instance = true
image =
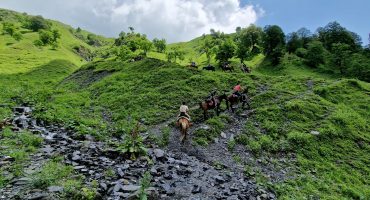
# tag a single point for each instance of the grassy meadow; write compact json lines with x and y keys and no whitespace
{"x":106,"y":98}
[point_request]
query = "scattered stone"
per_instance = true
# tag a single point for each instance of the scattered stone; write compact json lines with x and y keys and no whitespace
{"x":223,"y":135}
{"x":158,"y":153}
{"x":130,"y":188}
{"x":219,"y":179}
{"x":315,"y":132}
{"x":55,"y":189}
{"x":196,"y":189}
{"x":38,"y":196}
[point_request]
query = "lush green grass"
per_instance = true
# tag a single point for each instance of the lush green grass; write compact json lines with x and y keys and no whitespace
{"x":290,"y":101}
{"x":18,"y":146}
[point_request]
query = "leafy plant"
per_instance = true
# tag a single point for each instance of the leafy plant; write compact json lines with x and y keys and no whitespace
{"x":144,"y":184}
{"x":133,"y":144}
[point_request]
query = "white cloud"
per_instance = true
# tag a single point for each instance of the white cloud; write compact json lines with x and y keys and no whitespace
{"x":175,"y":20}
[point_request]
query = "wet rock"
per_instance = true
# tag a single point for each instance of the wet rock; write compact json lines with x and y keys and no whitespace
{"x":37,"y":196}
{"x":219,"y":179}
{"x":234,"y":197}
{"x":22,"y":181}
{"x":158,"y":153}
{"x":22,"y":110}
{"x":315,"y":132}
{"x":21,"y":122}
{"x":234,"y":188}
{"x":55,"y":189}
{"x":168,"y":176}
{"x":117,"y":187}
{"x":130,"y":188}
{"x":120,"y":172}
{"x":196,"y":189}
{"x":167,"y":189}
{"x":103,"y":186}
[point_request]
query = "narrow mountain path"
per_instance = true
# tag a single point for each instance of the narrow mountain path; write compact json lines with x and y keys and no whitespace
{"x":181,"y":171}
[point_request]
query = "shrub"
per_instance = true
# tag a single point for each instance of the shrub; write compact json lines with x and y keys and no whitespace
{"x":299,"y":138}
{"x":51,"y":173}
{"x":133,"y":144}
{"x":37,"y":23}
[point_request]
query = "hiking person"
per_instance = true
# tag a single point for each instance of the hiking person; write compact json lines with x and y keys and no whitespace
{"x":211,"y":97}
{"x":184,"y":109}
{"x":236,"y":90}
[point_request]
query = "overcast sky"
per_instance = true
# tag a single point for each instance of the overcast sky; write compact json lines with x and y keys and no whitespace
{"x":182,"y":20}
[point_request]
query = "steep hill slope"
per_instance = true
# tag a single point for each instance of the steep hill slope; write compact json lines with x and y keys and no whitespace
{"x":306,"y":135}
{"x":23,"y":56}
{"x":323,"y":122}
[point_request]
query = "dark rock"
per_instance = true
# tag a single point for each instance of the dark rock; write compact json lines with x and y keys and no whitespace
{"x":167,"y":189}
{"x":234,"y":188}
{"x":55,"y":189}
{"x":38,"y":196}
{"x":219,"y":179}
{"x":234,"y":197}
{"x":130,"y":188}
{"x":196,"y":189}
{"x":103,"y":186}
{"x":21,"y":122}
{"x":168,"y":176}
{"x":117,"y":187}
{"x":120,"y":172}
{"x":158,"y":153}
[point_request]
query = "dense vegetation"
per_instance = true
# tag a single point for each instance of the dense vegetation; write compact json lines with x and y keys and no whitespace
{"x":309,"y":94}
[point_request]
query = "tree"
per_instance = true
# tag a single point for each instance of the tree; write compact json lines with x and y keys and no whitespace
{"x":248,"y":42}
{"x":123,"y":53}
{"x":17,"y":36}
{"x":146,"y":45}
{"x":207,"y":47}
{"x":37,"y":23}
{"x":293,"y":42}
{"x":48,"y":38}
{"x":175,"y":54}
{"x":9,"y":28}
{"x":315,"y":54}
{"x":359,"y":67}
{"x":160,"y":45}
{"x":340,"y":56}
{"x":225,"y":51}
{"x":305,"y":36}
{"x":273,"y":43}
{"x":334,"y":33}
{"x":93,"y":40}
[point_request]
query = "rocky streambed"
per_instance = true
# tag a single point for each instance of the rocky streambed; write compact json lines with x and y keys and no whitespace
{"x":176,"y":173}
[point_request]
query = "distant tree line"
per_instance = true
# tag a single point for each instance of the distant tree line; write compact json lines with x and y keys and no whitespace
{"x":332,"y":47}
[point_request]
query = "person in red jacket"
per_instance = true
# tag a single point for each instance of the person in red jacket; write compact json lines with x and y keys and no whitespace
{"x":236,"y":90}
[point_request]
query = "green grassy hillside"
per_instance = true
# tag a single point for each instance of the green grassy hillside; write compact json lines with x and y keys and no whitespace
{"x":23,"y":56}
{"x":319,"y":118}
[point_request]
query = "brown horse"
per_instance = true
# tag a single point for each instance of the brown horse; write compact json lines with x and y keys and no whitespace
{"x":184,"y":125}
{"x":205,"y":106}
{"x":234,"y":100}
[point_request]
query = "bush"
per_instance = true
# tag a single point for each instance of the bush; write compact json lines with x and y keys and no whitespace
{"x":51,"y":173}
{"x":133,"y":144}
{"x":299,"y":138}
{"x":37,"y":23}
{"x":301,"y":52}
{"x":315,"y":54}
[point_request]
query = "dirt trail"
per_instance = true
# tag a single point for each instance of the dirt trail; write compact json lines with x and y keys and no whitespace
{"x":184,"y":171}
